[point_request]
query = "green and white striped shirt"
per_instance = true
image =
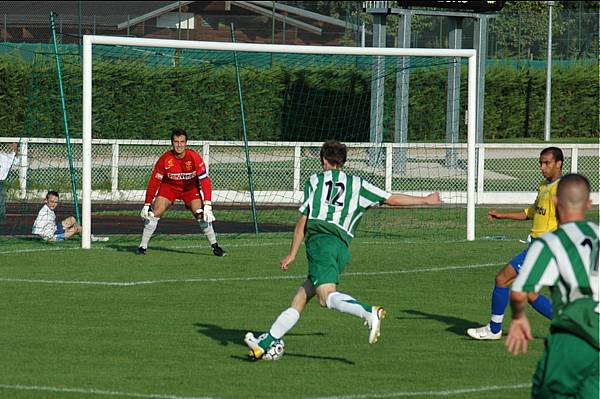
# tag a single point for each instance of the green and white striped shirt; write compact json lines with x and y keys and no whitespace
{"x":566,"y":260}
{"x":334,"y":202}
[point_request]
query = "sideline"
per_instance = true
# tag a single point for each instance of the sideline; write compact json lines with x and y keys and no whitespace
{"x":448,"y":392}
{"x":104,"y":247}
{"x":227,"y":279}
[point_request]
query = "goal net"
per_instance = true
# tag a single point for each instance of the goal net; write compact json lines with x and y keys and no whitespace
{"x":258,"y":115}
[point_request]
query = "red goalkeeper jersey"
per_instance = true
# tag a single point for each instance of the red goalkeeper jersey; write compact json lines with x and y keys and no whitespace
{"x":181,"y":174}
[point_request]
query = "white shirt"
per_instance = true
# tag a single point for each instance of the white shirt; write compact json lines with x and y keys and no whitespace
{"x":45,"y":223}
{"x":6,"y":161}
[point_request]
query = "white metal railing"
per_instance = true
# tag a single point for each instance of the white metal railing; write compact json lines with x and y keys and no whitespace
{"x":485,"y":153}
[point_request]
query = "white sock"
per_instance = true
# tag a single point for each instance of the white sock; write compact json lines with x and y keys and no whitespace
{"x":284,"y":323}
{"x":149,"y":228}
{"x":346,"y":304}
{"x":208,"y":230}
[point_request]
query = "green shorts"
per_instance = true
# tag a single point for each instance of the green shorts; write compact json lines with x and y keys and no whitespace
{"x":327,"y":258}
{"x":568,"y":369}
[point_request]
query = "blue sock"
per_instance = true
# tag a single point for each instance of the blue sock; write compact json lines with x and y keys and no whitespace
{"x":499,"y":303}
{"x":543,"y":306}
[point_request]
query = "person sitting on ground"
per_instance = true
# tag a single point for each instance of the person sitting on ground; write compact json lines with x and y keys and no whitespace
{"x":45,"y":225}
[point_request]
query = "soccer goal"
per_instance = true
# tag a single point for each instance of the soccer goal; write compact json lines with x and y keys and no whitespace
{"x":258,"y":115}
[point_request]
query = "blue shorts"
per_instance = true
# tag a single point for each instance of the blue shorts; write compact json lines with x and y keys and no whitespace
{"x":59,"y":234}
{"x":517,"y":261}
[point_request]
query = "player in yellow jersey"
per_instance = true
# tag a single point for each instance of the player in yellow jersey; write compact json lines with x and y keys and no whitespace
{"x":544,"y":220}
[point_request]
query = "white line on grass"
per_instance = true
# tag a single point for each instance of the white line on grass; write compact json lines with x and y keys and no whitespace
{"x":22,"y":251}
{"x":193,"y":246}
{"x":226,"y":279}
{"x":229,"y":245}
{"x":448,"y":392}
{"x":98,"y":392}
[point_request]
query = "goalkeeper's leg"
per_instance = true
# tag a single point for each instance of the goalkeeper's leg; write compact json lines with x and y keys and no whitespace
{"x":160,"y":206}
{"x":207,"y":228}
{"x":149,"y":228}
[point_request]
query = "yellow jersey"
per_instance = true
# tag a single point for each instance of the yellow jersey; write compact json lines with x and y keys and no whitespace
{"x":543,"y":211}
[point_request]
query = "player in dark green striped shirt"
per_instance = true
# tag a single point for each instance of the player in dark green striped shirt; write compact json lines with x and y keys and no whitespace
{"x":333,"y":204}
{"x":567,"y":261}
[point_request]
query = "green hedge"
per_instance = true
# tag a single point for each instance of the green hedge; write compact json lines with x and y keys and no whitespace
{"x":307,"y":103}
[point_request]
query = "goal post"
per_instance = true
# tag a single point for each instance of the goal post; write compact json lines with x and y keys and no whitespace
{"x":88,"y":47}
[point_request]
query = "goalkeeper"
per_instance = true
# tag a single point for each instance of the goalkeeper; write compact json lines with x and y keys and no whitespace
{"x":179,"y":174}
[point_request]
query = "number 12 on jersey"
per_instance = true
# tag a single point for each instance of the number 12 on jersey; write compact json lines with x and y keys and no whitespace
{"x":335,"y":199}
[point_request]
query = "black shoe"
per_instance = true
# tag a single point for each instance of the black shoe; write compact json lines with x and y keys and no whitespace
{"x":218,"y":251}
{"x":141,"y":251}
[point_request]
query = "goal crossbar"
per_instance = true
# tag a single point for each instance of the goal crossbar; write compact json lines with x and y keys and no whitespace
{"x":90,"y":40}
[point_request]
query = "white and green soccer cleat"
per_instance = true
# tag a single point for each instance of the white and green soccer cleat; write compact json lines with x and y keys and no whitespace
{"x":256,"y":352}
{"x":483,"y":333}
{"x":377,"y":314}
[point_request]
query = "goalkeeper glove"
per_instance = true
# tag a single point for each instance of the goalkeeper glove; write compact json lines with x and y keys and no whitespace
{"x":146,"y":212}
{"x":208,"y":215}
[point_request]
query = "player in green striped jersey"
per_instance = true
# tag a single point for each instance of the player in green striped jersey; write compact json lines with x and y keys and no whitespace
{"x":567,"y":261}
{"x":333,"y":204}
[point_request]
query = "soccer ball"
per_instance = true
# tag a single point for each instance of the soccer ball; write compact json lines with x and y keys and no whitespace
{"x":275,"y":351}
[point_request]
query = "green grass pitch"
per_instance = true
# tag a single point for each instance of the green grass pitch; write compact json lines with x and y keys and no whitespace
{"x":105,"y":323}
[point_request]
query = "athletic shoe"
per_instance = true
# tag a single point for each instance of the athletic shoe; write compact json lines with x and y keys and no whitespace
{"x":256,"y":352}
{"x":483,"y":333}
{"x":99,"y":238}
{"x":377,"y":314}
{"x":218,"y":251}
{"x":141,"y":251}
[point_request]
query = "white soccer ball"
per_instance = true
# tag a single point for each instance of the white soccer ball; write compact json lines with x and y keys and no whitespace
{"x":275,"y":351}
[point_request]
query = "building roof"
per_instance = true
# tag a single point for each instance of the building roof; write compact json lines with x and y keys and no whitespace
{"x":107,"y":12}
{"x":101,"y":8}
{"x":153,"y":13}
{"x":123,"y":14}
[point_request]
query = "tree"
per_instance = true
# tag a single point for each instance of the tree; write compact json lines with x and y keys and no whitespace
{"x":521,"y":28}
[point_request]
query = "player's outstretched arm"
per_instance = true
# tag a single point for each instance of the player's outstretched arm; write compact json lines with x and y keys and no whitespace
{"x":296,"y":242}
{"x":404,"y":200}
{"x":494,"y":214}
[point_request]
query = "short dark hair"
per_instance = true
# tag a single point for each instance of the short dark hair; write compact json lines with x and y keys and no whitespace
{"x":178,"y":132}
{"x":574,"y":178}
{"x":334,"y":152}
{"x":53,"y":193}
{"x":556,"y":153}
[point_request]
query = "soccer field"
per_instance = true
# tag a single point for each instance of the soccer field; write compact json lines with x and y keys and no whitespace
{"x":106,"y":323}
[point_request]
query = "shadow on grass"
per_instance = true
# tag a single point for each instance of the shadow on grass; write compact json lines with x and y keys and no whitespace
{"x":226,"y":336}
{"x":311,"y":357}
{"x":133,"y":249}
{"x":456,"y":325}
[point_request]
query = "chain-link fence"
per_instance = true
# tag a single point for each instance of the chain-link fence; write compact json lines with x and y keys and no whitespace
{"x":507,"y":173}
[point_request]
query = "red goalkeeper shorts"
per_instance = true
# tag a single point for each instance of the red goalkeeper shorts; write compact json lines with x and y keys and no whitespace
{"x":172,"y":194}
